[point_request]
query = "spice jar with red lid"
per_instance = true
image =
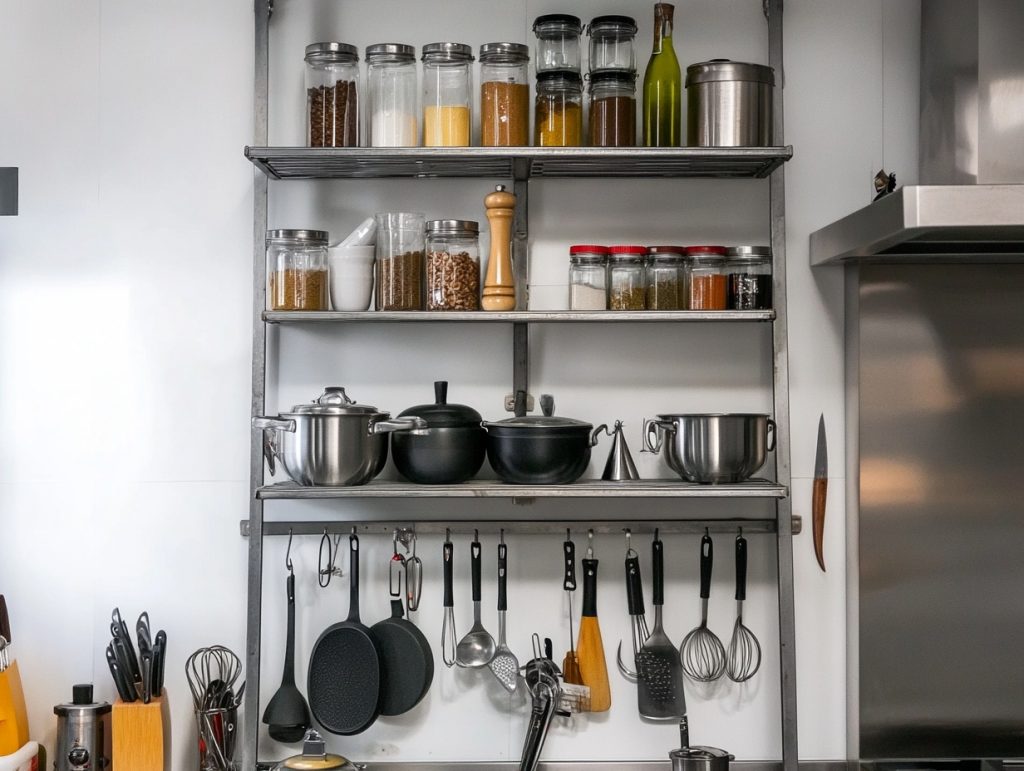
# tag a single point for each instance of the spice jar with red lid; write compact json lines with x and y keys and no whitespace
{"x":588,"y":277}
{"x":707,"y":279}
{"x":626,"y":290}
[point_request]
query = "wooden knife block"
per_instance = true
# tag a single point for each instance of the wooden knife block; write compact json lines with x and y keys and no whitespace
{"x":141,"y":735}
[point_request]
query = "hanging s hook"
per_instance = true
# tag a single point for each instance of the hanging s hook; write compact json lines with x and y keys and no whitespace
{"x":288,"y":554}
{"x":324,"y":573}
{"x":396,"y":568}
{"x":629,"y":542}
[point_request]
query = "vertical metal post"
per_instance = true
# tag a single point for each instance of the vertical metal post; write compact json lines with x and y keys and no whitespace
{"x":784,"y":507}
{"x":521,"y":271}
{"x":254,"y":590}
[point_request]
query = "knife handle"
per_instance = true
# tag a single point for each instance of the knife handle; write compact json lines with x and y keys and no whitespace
{"x":819,"y":493}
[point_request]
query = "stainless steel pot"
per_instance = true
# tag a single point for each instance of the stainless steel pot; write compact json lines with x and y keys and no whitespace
{"x":700,"y":759}
{"x":729,"y":104}
{"x":315,"y":756}
{"x":332,"y":441}
{"x":711,"y":448}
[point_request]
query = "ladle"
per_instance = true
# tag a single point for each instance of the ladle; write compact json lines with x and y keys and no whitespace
{"x":477,"y":648}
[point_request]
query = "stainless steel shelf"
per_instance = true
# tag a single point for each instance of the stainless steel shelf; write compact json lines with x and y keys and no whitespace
{"x":306,"y":317}
{"x":654,"y":488}
{"x":516,"y":162}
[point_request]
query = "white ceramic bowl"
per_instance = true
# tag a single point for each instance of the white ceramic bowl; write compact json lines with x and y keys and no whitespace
{"x":351,"y":277}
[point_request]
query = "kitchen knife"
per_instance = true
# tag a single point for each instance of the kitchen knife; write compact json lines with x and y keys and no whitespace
{"x":5,"y":621}
{"x":147,"y":675}
{"x":122,"y":658}
{"x":159,"y":657}
{"x":124,"y":689}
{"x":819,"y":493}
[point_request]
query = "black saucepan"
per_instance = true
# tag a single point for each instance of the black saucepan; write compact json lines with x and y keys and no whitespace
{"x":540,"y":450}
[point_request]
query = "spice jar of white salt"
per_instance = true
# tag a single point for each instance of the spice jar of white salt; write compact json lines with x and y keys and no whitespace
{"x":391,"y":80}
{"x":588,"y":277}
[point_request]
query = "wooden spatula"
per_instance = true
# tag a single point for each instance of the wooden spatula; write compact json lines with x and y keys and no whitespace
{"x":590,"y":648}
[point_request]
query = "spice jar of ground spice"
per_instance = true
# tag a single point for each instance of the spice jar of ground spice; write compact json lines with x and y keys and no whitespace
{"x":665,"y":278}
{"x":558,"y":110}
{"x":588,"y":277}
{"x":399,"y":267}
{"x":749,"y":271}
{"x":504,"y":95}
{"x":453,"y":265}
{"x":447,"y":94}
{"x":332,"y":72}
{"x":297,"y":270}
{"x":626,"y":291}
{"x":707,"y":280}
{"x":613,"y":109}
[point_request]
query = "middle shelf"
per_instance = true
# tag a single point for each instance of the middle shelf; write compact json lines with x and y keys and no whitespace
{"x":300,"y":317}
{"x":641,"y":488}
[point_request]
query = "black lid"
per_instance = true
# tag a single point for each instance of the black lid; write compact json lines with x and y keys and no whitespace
{"x":559,"y":18}
{"x":619,"y":77}
{"x":613,"y":20}
{"x":81,"y":694}
{"x":571,"y":77}
{"x":441,"y":414}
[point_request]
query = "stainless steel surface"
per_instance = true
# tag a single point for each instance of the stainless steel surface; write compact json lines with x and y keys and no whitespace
{"x":938,"y":528}
{"x":619,"y":467}
{"x":710,"y":448}
{"x":305,"y":317}
{"x":481,"y":488}
{"x":587,"y":765}
{"x":83,"y":736}
{"x":927,"y":223}
{"x":519,"y":527}
{"x":516,"y":162}
{"x":728,"y":104}
{"x":8,"y":190}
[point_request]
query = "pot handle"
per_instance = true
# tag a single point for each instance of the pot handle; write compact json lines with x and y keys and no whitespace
{"x":417,"y":425}
{"x":772,"y":431}
{"x":652,"y":426}
{"x":596,"y":433}
{"x":271,"y":445}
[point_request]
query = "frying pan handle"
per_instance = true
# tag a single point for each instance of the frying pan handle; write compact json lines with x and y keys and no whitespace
{"x":741,"y":568}
{"x":658,"y":566}
{"x":634,"y":591}
{"x":569,"y":581}
{"x":447,"y":552}
{"x":353,"y":591}
{"x":707,"y":558}
{"x":474,"y":553}
{"x":502,"y":576}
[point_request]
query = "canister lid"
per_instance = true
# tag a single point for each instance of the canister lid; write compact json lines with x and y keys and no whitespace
{"x":82,"y":703}
{"x":587,"y":249}
{"x":626,"y":250}
{"x":700,"y":753}
{"x":560,"y":78}
{"x":333,"y":401}
{"x":331,"y":52}
{"x":441,"y":414}
{"x":504,"y":53}
{"x":601,"y":25}
{"x":551,"y":22}
{"x":749,"y":252}
{"x":712,"y":250}
{"x":390,"y":53}
{"x":666,"y":253}
{"x":725,"y":69}
{"x":314,"y":756}
{"x":447,"y":52}
{"x":312,"y":236}
{"x":453,"y":227}
{"x":613,"y":77}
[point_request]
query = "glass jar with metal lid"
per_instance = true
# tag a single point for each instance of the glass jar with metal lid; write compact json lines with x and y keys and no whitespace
{"x":588,"y":277}
{"x":332,"y":76}
{"x":558,"y":111}
{"x":447,"y":94}
{"x":504,"y":95}
{"x":453,"y":265}
{"x":749,"y":273}
{"x":626,"y":278}
{"x":297,"y":270}
{"x":665,"y":278}
{"x":613,"y":108}
{"x":558,"y":42}
{"x":401,"y":240}
{"x":706,"y":278}
{"x":611,"y":43}
{"x":391,"y":81}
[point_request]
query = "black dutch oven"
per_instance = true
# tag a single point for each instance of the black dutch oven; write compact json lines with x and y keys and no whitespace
{"x":540,"y":450}
{"x":452,"y":448}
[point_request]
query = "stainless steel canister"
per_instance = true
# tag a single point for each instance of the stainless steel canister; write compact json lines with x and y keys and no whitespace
{"x":83,"y":732}
{"x":729,"y":104}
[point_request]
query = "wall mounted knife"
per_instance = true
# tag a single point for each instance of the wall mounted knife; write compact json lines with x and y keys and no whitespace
{"x":819,"y":493}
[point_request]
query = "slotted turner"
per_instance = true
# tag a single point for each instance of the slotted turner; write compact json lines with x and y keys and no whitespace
{"x":504,"y":665}
{"x":659,"y":671}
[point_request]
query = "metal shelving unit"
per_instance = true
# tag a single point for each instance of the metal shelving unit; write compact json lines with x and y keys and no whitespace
{"x":521,"y":165}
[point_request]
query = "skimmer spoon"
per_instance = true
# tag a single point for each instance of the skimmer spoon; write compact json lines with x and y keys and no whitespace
{"x":504,"y":665}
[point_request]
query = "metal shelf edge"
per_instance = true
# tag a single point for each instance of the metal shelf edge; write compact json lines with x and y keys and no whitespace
{"x":308,"y":317}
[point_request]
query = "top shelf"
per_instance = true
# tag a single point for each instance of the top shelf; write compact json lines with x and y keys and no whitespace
{"x":516,"y":162}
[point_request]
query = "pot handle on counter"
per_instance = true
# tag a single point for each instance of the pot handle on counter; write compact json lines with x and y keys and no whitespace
{"x":271,"y":446}
{"x":653,"y":426}
{"x":416,"y":425}
{"x":596,"y":433}
{"x":770,"y":442}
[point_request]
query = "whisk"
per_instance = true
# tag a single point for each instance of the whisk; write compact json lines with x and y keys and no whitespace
{"x":701,"y":653}
{"x":744,"y":657}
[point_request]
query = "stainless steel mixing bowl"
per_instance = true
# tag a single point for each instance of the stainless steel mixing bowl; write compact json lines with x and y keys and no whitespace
{"x":711,"y":448}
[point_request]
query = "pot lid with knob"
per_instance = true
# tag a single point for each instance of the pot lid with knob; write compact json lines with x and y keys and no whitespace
{"x":315,"y":756}
{"x":441,"y":414}
{"x":333,"y":401}
{"x":544,"y":422}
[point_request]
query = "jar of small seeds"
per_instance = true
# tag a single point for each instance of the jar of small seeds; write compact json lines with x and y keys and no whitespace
{"x":453,"y":265}
{"x":666,"y":278}
{"x":297,"y":270}
{"x":626,"y":290}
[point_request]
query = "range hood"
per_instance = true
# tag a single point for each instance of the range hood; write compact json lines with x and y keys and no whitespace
{"x":970,"y":205}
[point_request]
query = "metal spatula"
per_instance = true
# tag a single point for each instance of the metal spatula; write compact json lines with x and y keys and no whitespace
{"x":659,"y":671}
{"x":504,"y":665}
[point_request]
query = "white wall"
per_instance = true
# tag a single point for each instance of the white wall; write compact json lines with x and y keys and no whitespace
{"x":125,"y":347}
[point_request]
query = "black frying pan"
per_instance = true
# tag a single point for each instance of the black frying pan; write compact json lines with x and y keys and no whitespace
{"x":344,"y":670}
{"x":407,"y":663}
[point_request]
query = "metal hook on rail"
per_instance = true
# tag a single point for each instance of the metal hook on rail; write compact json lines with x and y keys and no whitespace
{"x":590,"y":544}
{"x":288,"y":554}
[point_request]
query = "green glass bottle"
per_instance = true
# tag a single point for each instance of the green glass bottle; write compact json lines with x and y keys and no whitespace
{"x":663,"y":85}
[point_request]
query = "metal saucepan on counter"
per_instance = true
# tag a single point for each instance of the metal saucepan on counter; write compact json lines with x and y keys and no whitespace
{"x":711,"y":448}
{"x":331,"y":441}
{"x":449,"y":451}
{"x":698,"y":758}
{"x":729,"y":104}
{"x":540,"y":450}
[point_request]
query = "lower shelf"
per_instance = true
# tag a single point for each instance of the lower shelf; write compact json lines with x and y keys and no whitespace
{"x":642,"y":488}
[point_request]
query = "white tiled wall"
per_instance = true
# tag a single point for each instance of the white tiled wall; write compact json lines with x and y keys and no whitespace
{"x":125,"y":347}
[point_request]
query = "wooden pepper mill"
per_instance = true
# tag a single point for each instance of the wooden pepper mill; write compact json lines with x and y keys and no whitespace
{"x":499,"y":287}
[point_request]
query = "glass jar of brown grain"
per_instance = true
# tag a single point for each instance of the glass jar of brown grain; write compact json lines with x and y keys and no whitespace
{"x":332,"y":74}
{"x":504,"y":95}
{"x":612,"y":109}
{"x":297,"y":270}
{"x":707,"y":279}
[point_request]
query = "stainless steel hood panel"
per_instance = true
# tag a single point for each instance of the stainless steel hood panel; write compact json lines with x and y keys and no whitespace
{"x":951,"y":223}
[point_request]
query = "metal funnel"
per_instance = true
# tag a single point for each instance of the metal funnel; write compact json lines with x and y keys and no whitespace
{"x":620,"y":464}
